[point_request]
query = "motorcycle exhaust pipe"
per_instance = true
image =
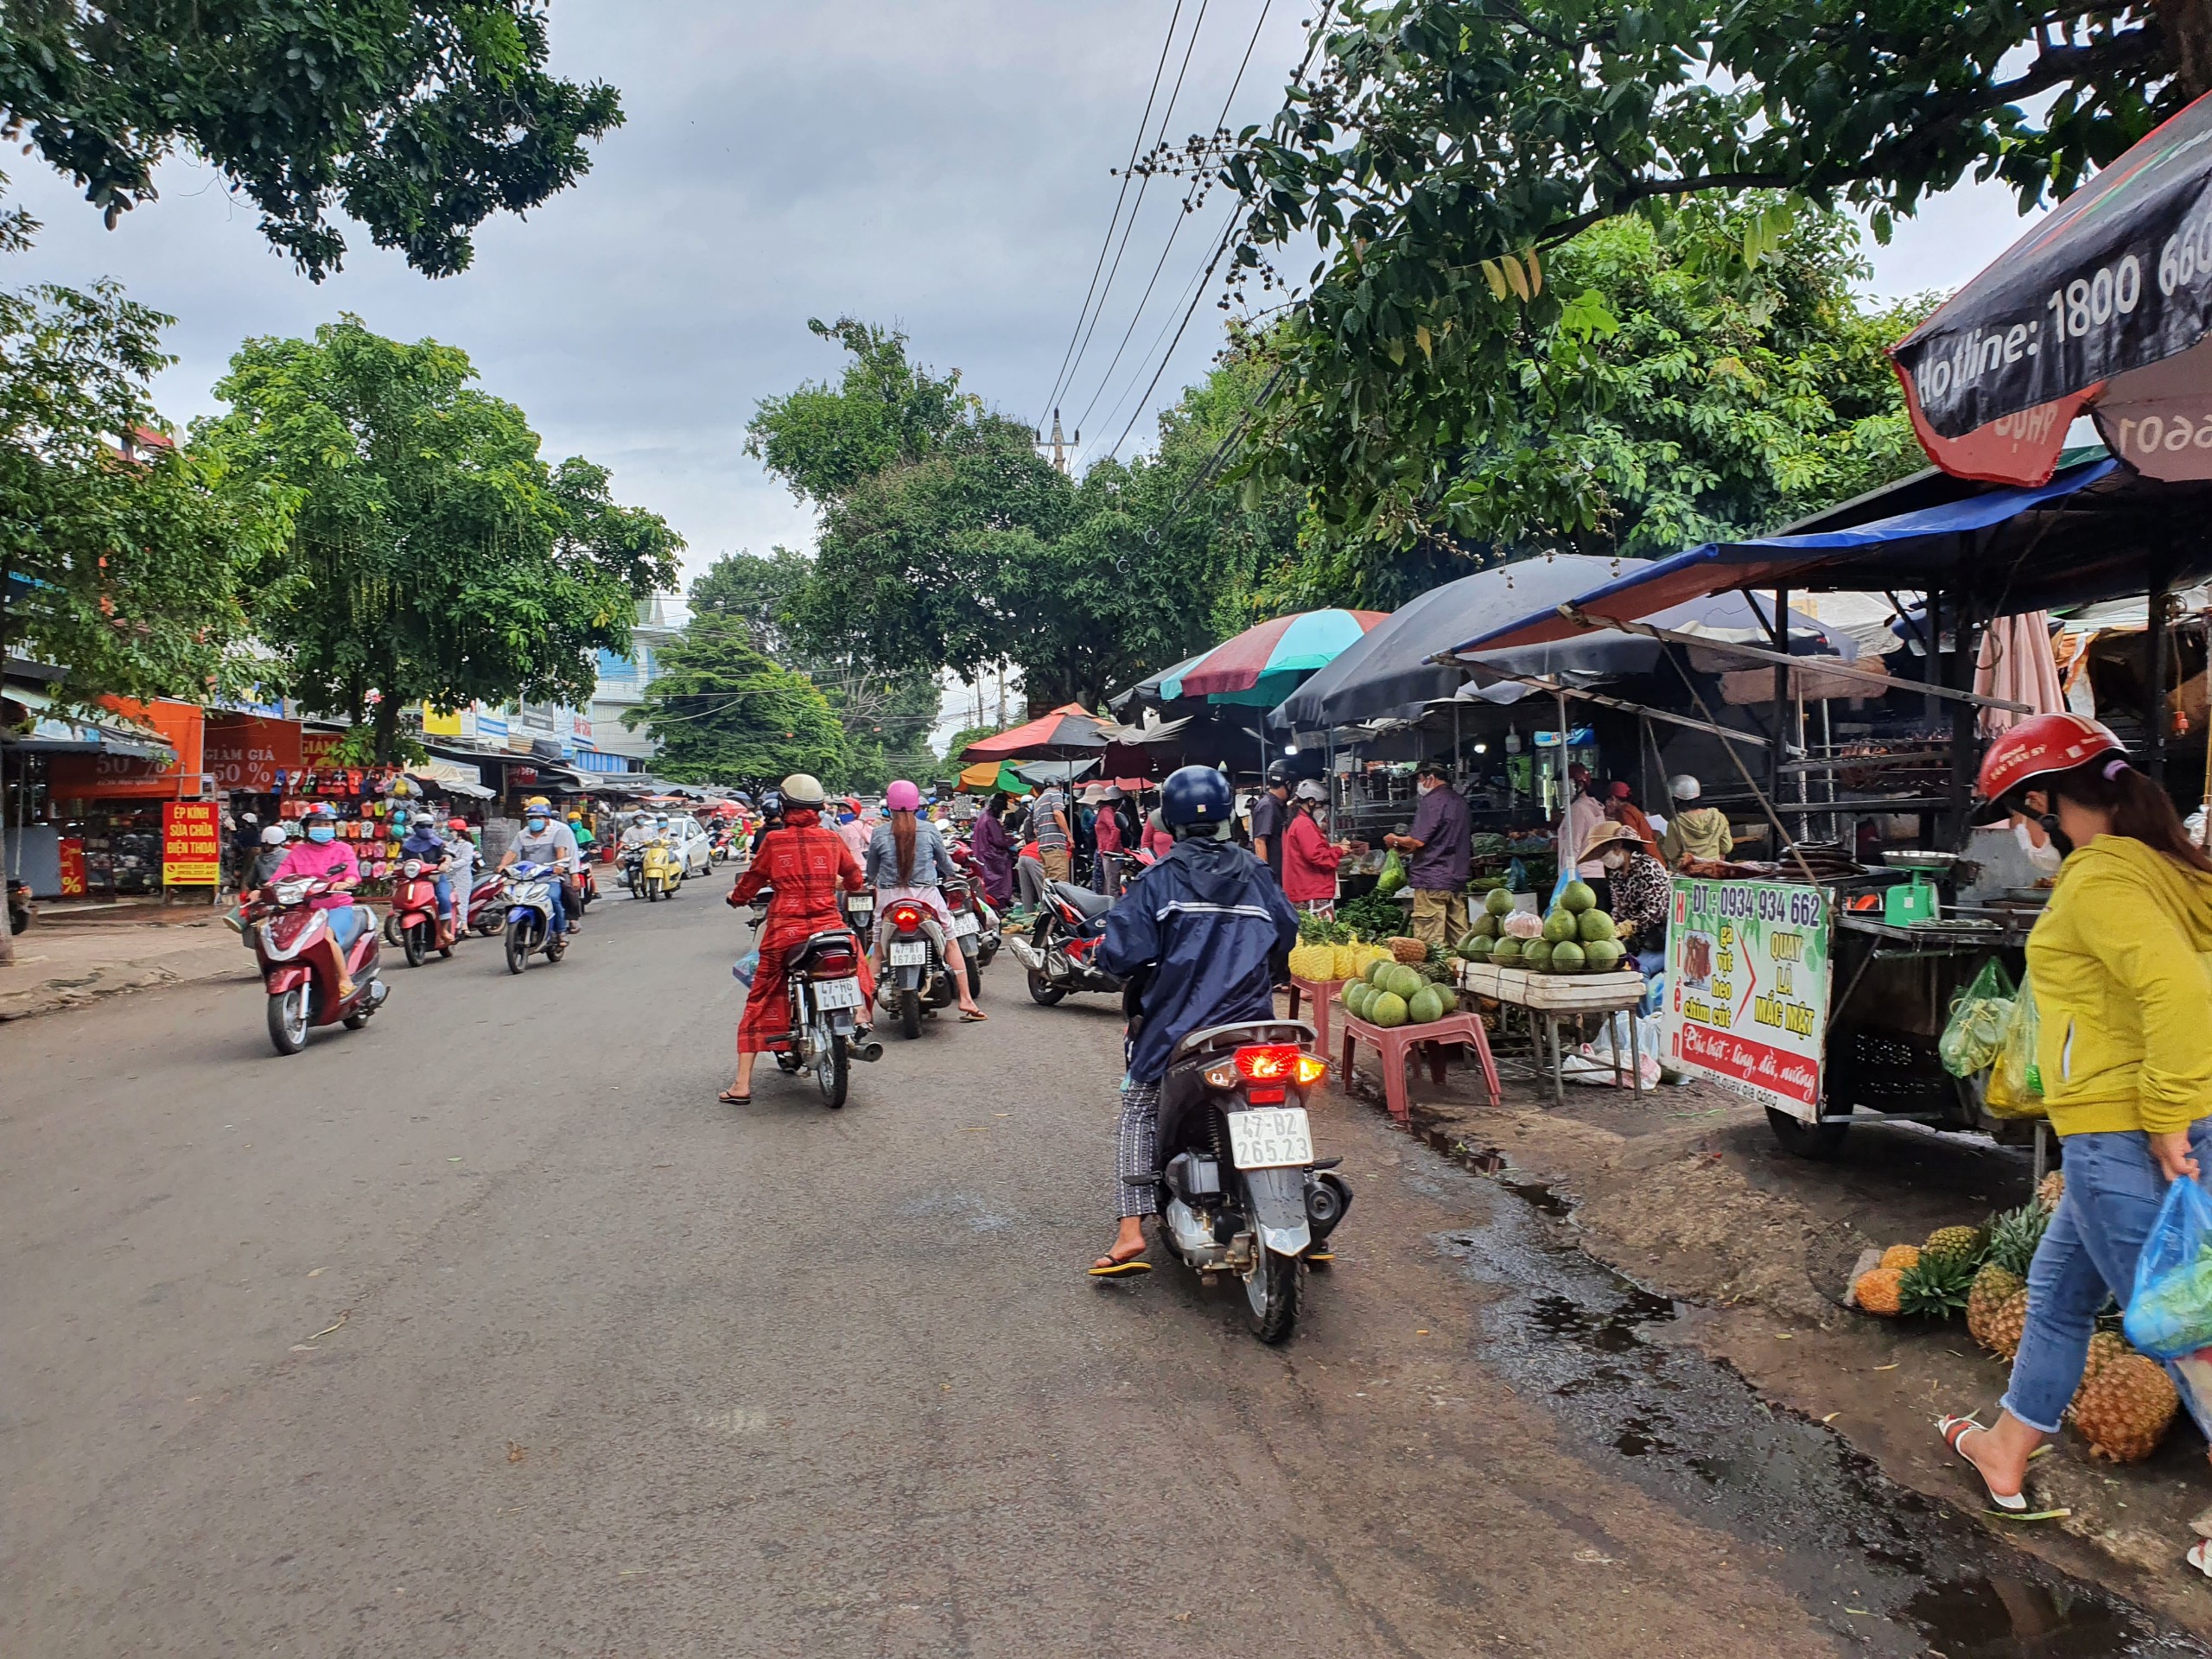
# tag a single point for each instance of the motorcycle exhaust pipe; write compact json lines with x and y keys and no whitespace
{"x":1025,"y":953}
{"x":871,"y":1051}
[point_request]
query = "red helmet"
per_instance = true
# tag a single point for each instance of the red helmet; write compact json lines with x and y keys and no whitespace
{"x":2038,"y":744}
{"x":459,"y":826}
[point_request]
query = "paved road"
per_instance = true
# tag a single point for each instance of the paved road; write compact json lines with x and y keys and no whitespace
{"x":487,"y":1331}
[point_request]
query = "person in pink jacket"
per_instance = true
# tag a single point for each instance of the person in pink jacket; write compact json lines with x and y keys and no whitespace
{"x":1310,"y":858}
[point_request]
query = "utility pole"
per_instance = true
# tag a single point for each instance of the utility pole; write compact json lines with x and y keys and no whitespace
{"x":1063,"y":447}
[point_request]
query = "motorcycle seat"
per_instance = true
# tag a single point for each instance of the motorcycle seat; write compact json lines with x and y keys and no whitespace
{"x":1086,"y":902}
{"x":1244,"y":1032}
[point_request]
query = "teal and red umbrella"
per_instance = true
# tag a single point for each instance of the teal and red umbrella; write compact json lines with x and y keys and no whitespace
{"x":1263,"y":665}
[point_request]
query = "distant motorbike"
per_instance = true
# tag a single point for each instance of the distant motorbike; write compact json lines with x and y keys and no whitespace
{"x":917,"y":977}
{"x":529,"y":920}
{"x":1057,"y":961}
{"x":415,"y":913}
{"x":587,"y":887}
{"x":660,"y":871}
{"x":289,"y":933}
{"x":859,"y":909}
{"x":1240,"y":1189}
{"x":721,"y":842}
{"x":971,"y":911}
{"x":487,"y":903}
{"x":821,"y":988}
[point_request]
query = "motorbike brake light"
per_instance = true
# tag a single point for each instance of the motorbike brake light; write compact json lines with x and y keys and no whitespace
{"x":1268,"y":1063}
{"x":840,"y":966}
{"x":906,"y":917}
{"x":1266,"y":1094}
{"x":955,"y":899}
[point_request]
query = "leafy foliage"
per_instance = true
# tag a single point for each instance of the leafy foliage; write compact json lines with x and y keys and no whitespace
{"x":120,"y":569}
{"x":433,"y":555}
{"x":723,"y":714}
{"x":420,"y":117}
{"x":1448,"y":148}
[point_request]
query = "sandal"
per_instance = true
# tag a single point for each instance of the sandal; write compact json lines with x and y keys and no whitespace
{"x":2011,"y":1508}
{"x":728,"y":1098}
{"x":973,"y":1016}
{"x":2200,"y":1556}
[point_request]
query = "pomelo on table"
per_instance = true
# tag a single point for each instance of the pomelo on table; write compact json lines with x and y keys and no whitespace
{"x":1537,"y":955}
{"x":1559,"y":925}
{"x":1579,"y":897}
{"x":1594,"y":924}
{"x":1603,"y":955}
{"x":1425,"y":1006}
{"x":1388,"y":1010}
{"x":1567,"y":958}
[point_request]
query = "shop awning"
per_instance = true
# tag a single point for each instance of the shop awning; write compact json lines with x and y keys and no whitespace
{"x":2095,"y":530}
{"x":51,"y":736}
{"x":452,"y":777}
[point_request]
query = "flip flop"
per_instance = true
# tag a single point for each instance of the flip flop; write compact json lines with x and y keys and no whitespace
{"x":729,"y":1099}
{"x":2200,"y":1556}
{"x":973,"y":1016}
{"x":1120,"y":1269}
{"x":2001,"y":1507}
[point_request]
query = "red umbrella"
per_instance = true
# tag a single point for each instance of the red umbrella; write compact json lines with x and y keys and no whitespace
{"x":1068,"y":732}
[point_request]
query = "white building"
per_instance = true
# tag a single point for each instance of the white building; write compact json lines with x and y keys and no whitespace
{"x":622,"y":681}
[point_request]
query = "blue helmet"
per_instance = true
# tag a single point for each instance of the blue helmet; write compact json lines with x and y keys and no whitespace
{"x":1195,"y":794}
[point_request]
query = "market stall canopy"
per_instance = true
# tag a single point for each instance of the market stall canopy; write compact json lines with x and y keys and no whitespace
{"x":2094,"y":532}
{"x":2104,"y":306}
{"x":1068,"y":730}
{"x":986,"y":776}
{"x":1261,"y":666}
{"x":454,"y":778}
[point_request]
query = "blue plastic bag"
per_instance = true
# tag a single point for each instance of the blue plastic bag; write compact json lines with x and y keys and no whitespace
{"x":745,"y":967}
{"x":2170,"y":1314}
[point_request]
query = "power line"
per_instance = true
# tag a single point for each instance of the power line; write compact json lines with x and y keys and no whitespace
{"x":1173,"y":229}
{"x":1136,"y":146}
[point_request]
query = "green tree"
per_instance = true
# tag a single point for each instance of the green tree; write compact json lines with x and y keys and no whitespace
{"x":123,"y":569}
{"x":1682,"y":394}
{"x":723,"y":714}
{"x":434,"y":557}
{"x":420,"y":118}
{"x":1447,"y":148}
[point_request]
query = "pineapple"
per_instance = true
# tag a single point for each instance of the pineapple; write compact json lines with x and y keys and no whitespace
{"x":1996,"y":1307}
{"x":1407,"y":951}
{"x":2013,"y":1237}
{"x":2125,"y":1402}
{"x":1902,"y":1257}
{"x":1313,"y":961}
{"x":1955,"y":1247}
{"x":1345,"y":961}
{"x":2052,"y":1189}
{"x":1876,"y":1291}
{"x":1936,"y":1287}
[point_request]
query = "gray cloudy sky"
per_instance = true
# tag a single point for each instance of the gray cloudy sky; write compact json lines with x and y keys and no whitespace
{"x":942,"y":165}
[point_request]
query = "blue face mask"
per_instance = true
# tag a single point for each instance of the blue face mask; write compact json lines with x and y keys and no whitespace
{"x":536,"y":826}
{"x":319,"y":833}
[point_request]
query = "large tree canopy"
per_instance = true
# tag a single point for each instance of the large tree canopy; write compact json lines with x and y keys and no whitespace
{"x":420,"y":117}
{"x":1447,"y":148}
{"x":434,"y":557}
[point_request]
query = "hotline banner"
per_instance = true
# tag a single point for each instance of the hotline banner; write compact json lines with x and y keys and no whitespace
{"x":1747,"y":988}
{"x":192,"y":844}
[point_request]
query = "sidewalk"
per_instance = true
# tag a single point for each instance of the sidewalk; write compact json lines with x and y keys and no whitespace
{"x":60,"y":966}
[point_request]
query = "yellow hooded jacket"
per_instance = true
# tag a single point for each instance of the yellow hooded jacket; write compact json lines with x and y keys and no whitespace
{"x":2121,"y":966}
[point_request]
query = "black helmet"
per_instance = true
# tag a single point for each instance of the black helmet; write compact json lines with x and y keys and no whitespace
{"x":1194,"y":795}
{"x":1278,"y":773}
{"x":772,"y":803}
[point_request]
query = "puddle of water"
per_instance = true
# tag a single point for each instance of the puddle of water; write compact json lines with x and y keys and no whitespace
{"x":1884,"y":1568}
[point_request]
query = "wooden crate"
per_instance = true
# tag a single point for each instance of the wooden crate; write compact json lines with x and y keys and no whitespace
{"x":1562,"y":992}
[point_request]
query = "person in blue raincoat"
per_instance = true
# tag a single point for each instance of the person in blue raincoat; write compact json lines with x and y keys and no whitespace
{"x":1215,"y":928}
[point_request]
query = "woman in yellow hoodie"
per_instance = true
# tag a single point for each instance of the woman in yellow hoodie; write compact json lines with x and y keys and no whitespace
{"x":2121,"y":966}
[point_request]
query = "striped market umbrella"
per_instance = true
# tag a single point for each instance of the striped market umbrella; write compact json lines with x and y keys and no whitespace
{"x":1068,"y":732}
{"x":1263,"y":665}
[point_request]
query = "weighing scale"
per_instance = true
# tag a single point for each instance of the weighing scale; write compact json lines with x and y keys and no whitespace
{"x":1915,"y":902}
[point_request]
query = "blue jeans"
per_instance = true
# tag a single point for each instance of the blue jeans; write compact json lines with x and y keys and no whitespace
{"x":2114,"y":1188}
{"x":444,"y":885}
{"x":560,"y":904}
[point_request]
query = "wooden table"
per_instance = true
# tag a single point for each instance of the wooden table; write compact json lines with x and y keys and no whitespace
{"x":1547,"y":998}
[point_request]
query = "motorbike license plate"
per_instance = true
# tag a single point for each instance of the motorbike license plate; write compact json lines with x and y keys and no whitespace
{"x":860,"y":906}
{"x":836,"y":993}
{"x":963,"y":924}
{"x":1270,"y":1137}
{"x":909,"y":956}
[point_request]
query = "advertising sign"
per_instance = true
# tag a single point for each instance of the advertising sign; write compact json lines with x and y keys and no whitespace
{"x":73,"y":867}
{"x":110,"y":777}
{"x":246,"y":752}
{"x":192,"y":844}
{"x":1747,"y":988}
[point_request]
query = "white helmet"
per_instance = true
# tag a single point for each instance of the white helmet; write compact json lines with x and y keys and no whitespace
{"x":1683,"y":787}
{"x":803,"y":788}
{"x":273,"y":836}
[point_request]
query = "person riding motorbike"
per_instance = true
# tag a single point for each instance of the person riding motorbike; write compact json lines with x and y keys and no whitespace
{"x":423,"y":842}
{"x":323,"y":857}
{"x":908,"y":860}
{"x":803,"y":863}
{"x":1212,"y":924}
{"x":545,"y":841}
{"x":461,"y":867}
{"x":582,"y":831}
{"x":771,"y":817}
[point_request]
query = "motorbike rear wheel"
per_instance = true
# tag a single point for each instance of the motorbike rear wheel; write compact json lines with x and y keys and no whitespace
{"x":517,"y":949}
{"x":910,"y":1013}
{"x":288,"y":1021}
{"x":1271,"y":1296}
{"x":832,"y":1069}
{"x":974,"y":979}
{"x":416,"y":941}
{"x":1042,"y":991}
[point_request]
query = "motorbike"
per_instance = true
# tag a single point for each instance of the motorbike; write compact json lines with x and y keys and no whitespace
{"x":1240,"y":1189}
{"x":989,"y":938}
{"x":415,"y":913}
{"x":821,"y":988}
{"x":529,"y":920}
{"x":487,"y":903}
{"x":917,"y":977}
{"x":970,"y":911}
{"x":295,"y":972}
{"x":1057,"y":961}
{"x":859,"y":911}
{"x":660,"y":871}
{"x":587,"y":887}
{"x":721,"y":842}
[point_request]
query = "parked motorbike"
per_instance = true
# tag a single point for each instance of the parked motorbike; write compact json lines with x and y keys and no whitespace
{"x":415,"y":913}
{"x":917,"y":977}
{"x":660,"y":871}
{"x":1056,"y":960}
{"x":1240,"y":1189}
{"x":821,"y":988}
{"x":529,"y":920}
{"x":968,"y":907}
{"x":288,"y":935}
{"x":487,"y":903}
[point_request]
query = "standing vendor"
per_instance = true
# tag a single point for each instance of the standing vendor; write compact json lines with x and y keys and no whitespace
{"x":1439,"y":843}
{"x":1700,"y":832}
{"x":1584,"y":812}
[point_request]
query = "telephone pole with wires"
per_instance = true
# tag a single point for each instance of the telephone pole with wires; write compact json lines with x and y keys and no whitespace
{"x":1062,"y":447}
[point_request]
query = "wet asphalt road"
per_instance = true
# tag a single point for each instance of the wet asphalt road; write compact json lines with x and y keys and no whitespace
{"x":487,"y":1331}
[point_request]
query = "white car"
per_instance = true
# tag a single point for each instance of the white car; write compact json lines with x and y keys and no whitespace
{"x":691,"y":843}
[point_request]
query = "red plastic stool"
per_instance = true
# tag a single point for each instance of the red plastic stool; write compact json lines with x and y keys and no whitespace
{"x":1320,"y":993}
{"x":1392,"y":1046}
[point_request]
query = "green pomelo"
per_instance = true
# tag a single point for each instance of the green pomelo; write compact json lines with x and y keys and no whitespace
{"x":1499,"y":903}
{"x":1424,"y":1006}
{"x":1506,"y":953}
{"x":1579,"y":897}
{"x":1374,"y":971}
{"x":1594,"y":924}
{"x":1486,"y":924}
{"x":1356,"y":998}
{"x":1559,"y":925}
{"x":1404,"y":980}
{"x":1603,"y":955}
{"x":1479,"y":948}
{"x":1537,"y":954}
{"x":1386,"y":1010}
{"x":1567,"y":958}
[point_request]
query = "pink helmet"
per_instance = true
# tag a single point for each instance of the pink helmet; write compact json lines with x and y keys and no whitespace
{"x":902,"y":796}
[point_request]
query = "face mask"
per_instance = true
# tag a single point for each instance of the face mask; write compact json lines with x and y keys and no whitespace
{"x":319,"y":833}
{"x":1614,"y":860}
{"x":536,"y":826}
{"x":2046,"y":858}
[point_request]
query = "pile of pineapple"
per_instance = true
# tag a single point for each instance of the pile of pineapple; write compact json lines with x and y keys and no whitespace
{"x":1331,"y":951}
{"x":2125,"y":1401}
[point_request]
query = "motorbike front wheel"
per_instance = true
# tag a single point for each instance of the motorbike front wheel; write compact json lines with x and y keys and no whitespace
{"x":652,"y":889}
{"x":832,"y":1068}
{"x":910,"y":1013}
{"x":517,"y":949}
{"x":1042,"y":991}
{"x":974,"y":979}
{"x":288,"y":1021}
{"x":416,"y":941}
{"x":1271,"y":1294}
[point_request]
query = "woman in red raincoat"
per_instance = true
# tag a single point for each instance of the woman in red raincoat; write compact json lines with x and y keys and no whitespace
{"x":806,"y":862}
